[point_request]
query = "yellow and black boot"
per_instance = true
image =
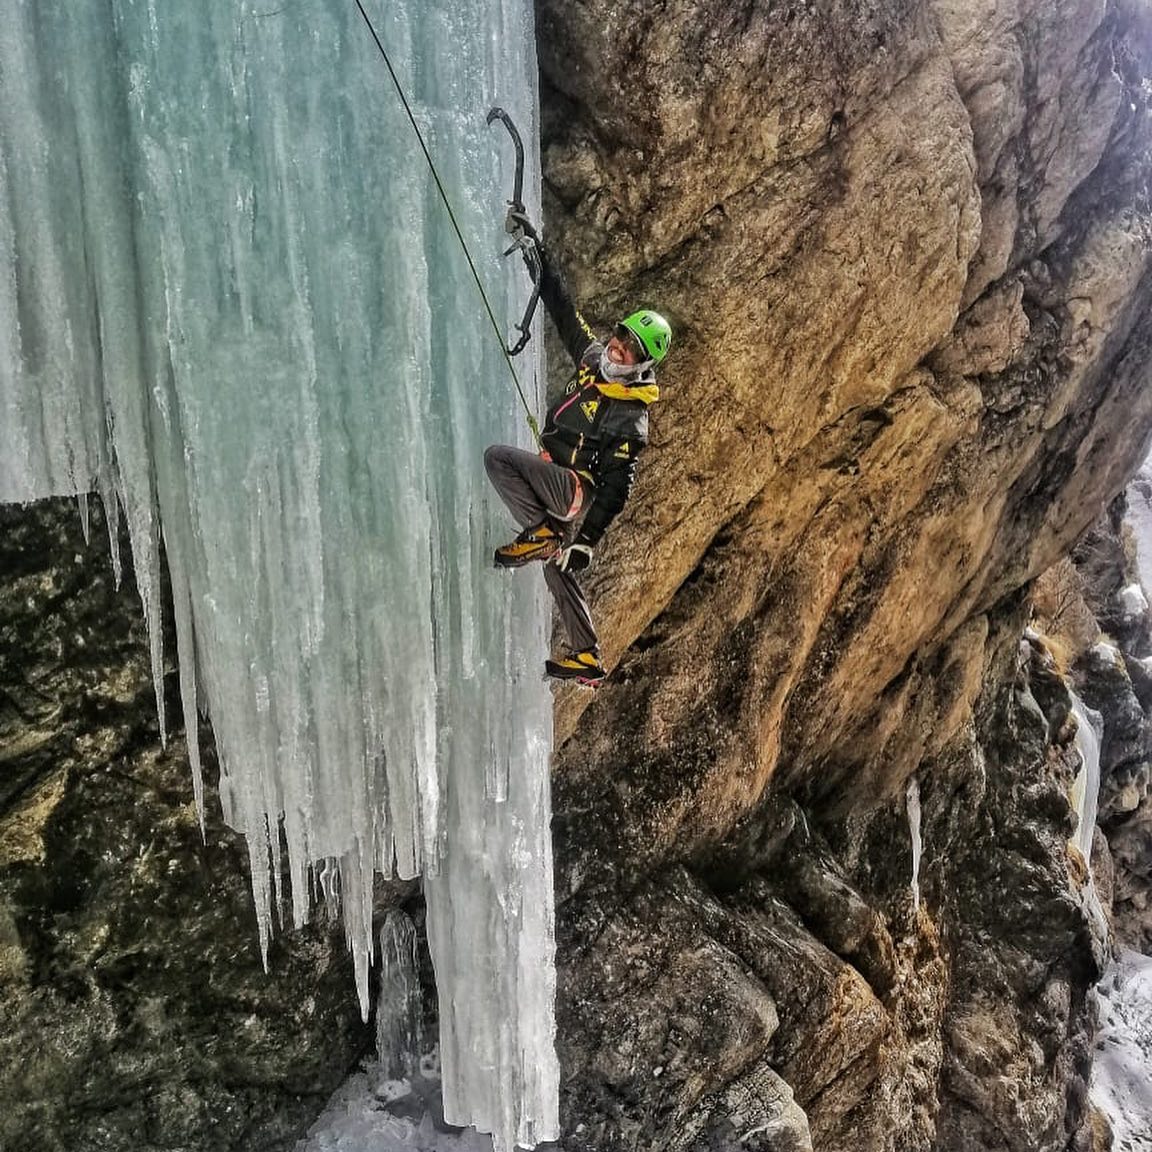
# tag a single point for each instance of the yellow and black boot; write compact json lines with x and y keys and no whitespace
{"x":583,"y":667}
{"x":540,"y":542}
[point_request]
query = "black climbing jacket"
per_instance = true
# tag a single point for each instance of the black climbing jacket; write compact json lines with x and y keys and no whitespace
{"x":598,"y":427}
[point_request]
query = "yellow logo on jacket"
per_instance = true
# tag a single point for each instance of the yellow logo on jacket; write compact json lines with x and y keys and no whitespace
{"x":589,"y":409}
{"x":624,"y":452}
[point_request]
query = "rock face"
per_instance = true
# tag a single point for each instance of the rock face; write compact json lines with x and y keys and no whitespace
{"x":906,"y":249}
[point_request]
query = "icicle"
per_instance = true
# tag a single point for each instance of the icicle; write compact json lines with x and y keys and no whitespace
{"x":186,"y":649}
{"x":82,"y":505}
{"x":112,"y":518}
{"x":913,"y":806}
{"x":1084,"y":797}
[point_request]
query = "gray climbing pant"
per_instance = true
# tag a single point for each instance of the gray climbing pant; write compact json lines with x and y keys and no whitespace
{"x":534,"y":488}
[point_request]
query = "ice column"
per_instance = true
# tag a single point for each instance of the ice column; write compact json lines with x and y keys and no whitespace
{"x":398,"y":1008}
{"x":1086,"y":787}
{"x":231,"y":302}
{"x":1085,"y":797}
{"x":1139,"y":518}
{"x":913,"y":805}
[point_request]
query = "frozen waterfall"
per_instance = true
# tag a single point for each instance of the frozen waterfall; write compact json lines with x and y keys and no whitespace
{"x":1085,"y":799}
{"x":231,"y":303}
{"x":1086,"y":787}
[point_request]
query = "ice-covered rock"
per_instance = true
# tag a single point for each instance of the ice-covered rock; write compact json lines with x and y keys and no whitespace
{"x":1122,"y":1064}
{"x":1139,"y":517}
{"x":370,"y":1112}
{"x":1086,"y":787}
{"x":912,"y":804}
{"x":1106,"y":654}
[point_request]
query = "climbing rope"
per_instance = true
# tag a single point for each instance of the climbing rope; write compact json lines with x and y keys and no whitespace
{"x":452,"y":216}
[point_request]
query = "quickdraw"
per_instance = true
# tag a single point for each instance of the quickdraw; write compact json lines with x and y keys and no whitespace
{"x":525,"y":245}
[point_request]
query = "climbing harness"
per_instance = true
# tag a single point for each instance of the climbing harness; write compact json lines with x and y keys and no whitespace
{"x":525,"y":245}
{"x":532,"y":424}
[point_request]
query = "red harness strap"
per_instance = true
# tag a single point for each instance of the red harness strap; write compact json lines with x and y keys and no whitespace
{"x":577,"y":498}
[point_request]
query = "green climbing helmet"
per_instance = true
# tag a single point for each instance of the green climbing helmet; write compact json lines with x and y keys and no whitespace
{"x":653,"y":332}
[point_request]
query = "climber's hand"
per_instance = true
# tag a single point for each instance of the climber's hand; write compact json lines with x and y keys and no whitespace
{"x":518,"y":226}
{"x":574,"y":558}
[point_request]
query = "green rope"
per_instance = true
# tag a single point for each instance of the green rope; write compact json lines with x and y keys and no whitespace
{"x":452,"y":216}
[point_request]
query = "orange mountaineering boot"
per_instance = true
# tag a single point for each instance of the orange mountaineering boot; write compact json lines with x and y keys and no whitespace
{"x":540,"y":542}
{"x":583,"y":667}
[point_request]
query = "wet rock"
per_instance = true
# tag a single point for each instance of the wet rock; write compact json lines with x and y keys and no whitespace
{"x":1114,"y":679}
{"x":756,"y":1112}
{"x":1023,"y":952}
{"x":1127,"y":746}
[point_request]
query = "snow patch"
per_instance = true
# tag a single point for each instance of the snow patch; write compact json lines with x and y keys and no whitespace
{"x":1105,"y":653}
{"x":1121,"y":1084}
{"x":1133,"y":602}
{"x":370,"y":1112}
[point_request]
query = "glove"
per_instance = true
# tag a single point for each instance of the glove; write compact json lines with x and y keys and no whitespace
{"x":517,"y":225}
{"x":574,"y":558}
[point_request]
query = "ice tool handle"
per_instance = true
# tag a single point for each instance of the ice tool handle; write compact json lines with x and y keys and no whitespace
{"x":525,"y":245}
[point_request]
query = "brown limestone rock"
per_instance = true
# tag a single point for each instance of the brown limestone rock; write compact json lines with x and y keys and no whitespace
{"x":759,"y":1112}
{"x":907,"y":253}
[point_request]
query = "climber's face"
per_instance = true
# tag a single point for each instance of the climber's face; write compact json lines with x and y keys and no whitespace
{"x":621,"y":348}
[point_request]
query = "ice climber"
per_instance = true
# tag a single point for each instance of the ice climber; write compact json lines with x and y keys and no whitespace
{"x":565,"y":497}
